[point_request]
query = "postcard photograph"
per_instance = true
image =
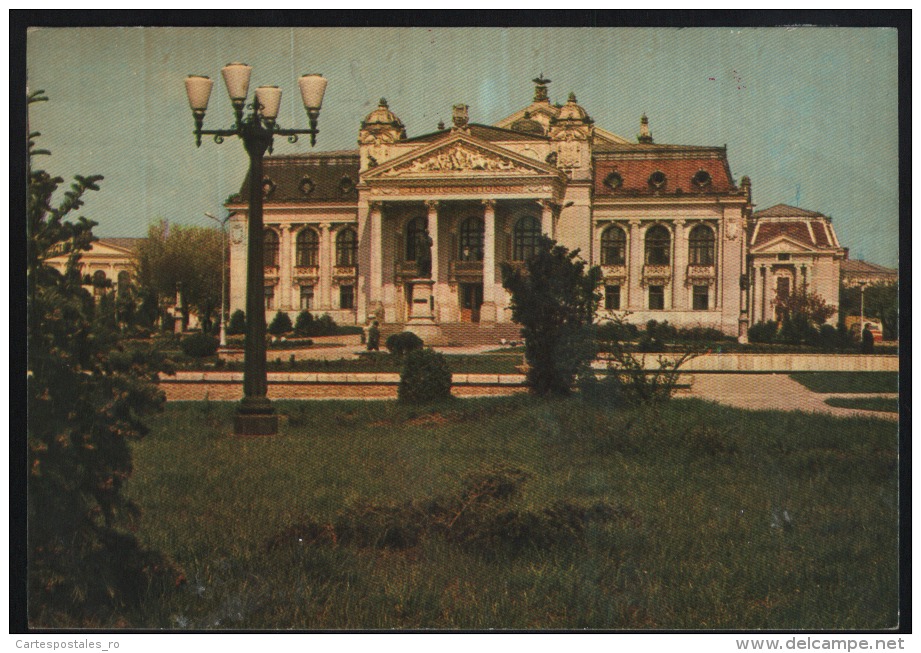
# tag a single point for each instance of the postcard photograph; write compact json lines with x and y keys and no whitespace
{"x":463,"y":329}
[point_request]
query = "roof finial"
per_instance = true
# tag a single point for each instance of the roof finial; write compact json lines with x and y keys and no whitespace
{"x":645,"y":136}
{"x":540,"y":91}
{"x":572,"y":97}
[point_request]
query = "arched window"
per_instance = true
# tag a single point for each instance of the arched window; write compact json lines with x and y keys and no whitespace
{"x":701,"y":245}
{"x":525,"y":237}
{"x":270,"y":249}
{"x":347,"y":248}
{"x":416,"y":239}
{"x":613,"y":246}
{"x":99,"y":279}
{"x":471,"y":239}
{"x":658,"y":244}
{"x":308,"y":248}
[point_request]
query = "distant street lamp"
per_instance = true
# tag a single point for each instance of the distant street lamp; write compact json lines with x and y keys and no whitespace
{"x":255,"y":414}
{"x":863,"y":285}
{"x":221,"y":322}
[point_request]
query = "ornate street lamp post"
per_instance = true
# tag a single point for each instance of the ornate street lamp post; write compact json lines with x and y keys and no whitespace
{"x":255,"y":414}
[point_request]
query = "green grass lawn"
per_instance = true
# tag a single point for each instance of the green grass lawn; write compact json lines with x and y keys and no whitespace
{"x":865,"y":403}
{"x":847,"y":382}
{"x":711,"y":517}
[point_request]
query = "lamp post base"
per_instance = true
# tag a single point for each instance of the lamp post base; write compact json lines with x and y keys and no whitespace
{"x":255,"y":417}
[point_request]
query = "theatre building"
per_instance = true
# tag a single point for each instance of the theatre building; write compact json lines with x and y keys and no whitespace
{"x":413,"y":231}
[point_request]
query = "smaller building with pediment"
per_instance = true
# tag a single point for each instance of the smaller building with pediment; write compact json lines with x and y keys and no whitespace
{"x":108,"y":262}
{"x":791,"y":249}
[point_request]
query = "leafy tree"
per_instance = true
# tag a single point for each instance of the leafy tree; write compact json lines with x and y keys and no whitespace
{"x":801,"y":313}
{"x":85,"y":403}
{"x":173,"y":254}
{"x":880,"y":301}
{"x":554,"y":298}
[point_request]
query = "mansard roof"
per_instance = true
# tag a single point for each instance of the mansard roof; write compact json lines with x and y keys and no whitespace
{"x":809,"y":228}
{"x":624,"y":170}
{"x":315,"y":177}
{"x":786,"y":211}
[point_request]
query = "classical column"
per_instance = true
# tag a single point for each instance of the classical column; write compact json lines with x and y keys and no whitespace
{"x":432,"y":222}
{"x":377,"y":266}
{"x":635,"y":268}
{"x":546,"y":218}
{"x":285,"y":268}
{"x":325,"y":263}
{"x":680,"y":272}
{"x":488,"y":309}
{"x":763,"y":293}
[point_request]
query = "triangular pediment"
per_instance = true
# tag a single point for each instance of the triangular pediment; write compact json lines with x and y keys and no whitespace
{"x":99,"y":250}
{"x":460,"y":155}
{"x":782,"y":244}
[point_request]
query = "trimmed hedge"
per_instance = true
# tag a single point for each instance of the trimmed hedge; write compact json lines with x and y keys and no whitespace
{"x":199,"y":345}
{"x":425,"y":378}
{"x":400,"y":344}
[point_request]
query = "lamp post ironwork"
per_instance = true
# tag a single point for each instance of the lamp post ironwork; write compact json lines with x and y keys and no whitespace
{"x":255,"y":414}
{"x":222,"y":323}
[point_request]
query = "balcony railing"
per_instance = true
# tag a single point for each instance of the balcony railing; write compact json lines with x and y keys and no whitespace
{"x":307,"y":271}
{"x":657,"y":274}
{"x":701,"y":272}
{"x":463,"y":270}
{"x":614,"y":271}
{"x":345,"y":271}
{"x":271,"y":271}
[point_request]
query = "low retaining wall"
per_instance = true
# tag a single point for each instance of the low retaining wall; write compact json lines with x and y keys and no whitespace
{"x":771,"y":363}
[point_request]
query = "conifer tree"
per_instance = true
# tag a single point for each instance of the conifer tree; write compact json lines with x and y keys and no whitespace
{"x":85,"y":402}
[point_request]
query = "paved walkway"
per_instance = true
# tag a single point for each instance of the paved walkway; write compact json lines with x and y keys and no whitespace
{"x":773,"y":392}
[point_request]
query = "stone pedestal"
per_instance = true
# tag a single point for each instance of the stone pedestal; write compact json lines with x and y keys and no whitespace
{"x":421,"y":311}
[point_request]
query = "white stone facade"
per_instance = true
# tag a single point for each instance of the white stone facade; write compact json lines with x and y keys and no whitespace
{"x":451,"y":206}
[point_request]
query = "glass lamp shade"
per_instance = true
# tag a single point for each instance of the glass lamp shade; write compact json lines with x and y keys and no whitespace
{"x":312,"y":89}
{"x":269,"y":99}
{"x":198,"y":88}
{"x":236,"y":78}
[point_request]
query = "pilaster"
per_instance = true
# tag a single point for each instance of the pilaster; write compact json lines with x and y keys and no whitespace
{"x":376,"y":246}
{"x":635,"y":271}
{"x":680,"y":290}
{"x":325,"y":263}
{"x":488,"y":309}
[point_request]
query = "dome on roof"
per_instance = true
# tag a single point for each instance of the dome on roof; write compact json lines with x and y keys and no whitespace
{"x":527,"y":125}
{"x":382,"y":115}
{"x":573,"y":112}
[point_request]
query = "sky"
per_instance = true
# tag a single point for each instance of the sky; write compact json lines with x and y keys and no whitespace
{"x":810,"y":114}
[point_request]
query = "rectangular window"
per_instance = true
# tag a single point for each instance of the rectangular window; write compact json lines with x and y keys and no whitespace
{"x":783,"y":257}
{"x":347,"y":297}
{"x":612,"y":298}
{"x":656,"y":298}
{"x":306,"y":298}
{"x":269,"y":298}
{"x":701,"y":298}
{"x":783,"y":287}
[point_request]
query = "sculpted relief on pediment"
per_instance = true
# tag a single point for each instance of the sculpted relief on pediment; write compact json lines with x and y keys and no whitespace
{"x":457,"y":158}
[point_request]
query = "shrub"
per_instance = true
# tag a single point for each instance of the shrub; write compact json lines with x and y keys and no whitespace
{"x":303,"y":324}
{"x":702,"y":334}
{"x":617,"y":331}
{"x":425,"y":377}
{"x":237,"y":324}
{"x":402,"y":343}
{"x":324,"y":325}
{"x":661,"y":331}
{"x":281,"y":324}
{"x":764,"y":332}
{"x":829,"y":337}
{"x":199,"y":345}
{"x":650,"y":344}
